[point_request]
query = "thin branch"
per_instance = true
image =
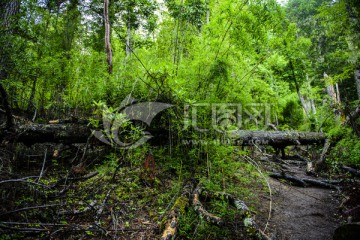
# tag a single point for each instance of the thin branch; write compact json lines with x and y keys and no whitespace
{"x":43,"y":165}
{"x":31,"y":208}
{"x":23,"y":180}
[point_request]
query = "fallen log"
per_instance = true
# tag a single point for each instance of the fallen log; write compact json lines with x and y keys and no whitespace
{"x":172,"y":219}
{"x":199,"y":209}
{"x":277,"y":138}
{"x":79,"y":133}
{"x":64,"y":133}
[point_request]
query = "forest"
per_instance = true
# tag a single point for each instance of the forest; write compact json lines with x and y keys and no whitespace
{"x":180,"y":119}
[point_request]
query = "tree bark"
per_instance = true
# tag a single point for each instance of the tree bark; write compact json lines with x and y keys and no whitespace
{"x":107,"y":36}
{"x":8,"y":112}
{"x":64,"y":133}
{"x":8,"y":9}
{"x":77,"y":132}
{"x":351,"y":120}
{"x":321,"y":162}
{"x":354,"y":115}
{"x":277,"y":138}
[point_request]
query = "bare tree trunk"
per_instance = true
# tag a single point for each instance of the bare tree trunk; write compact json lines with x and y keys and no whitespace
{"x":8,"y":9}
{"x":128,"y":36}
{"x":107,"y":36}
{"x":8,"y":112}
{"x":313,"y":107}
{"x":302,"y":100}
{"x":337,"y":93}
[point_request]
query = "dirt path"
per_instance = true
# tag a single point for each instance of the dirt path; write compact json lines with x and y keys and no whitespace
{"x":302,"y":213}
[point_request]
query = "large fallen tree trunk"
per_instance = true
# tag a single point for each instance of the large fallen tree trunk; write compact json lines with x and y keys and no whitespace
{"x":65,"y":133}
{"x":277,"y":138}
{"x":79,"y":133}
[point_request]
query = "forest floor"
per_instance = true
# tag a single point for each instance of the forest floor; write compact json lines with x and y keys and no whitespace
{"x":302,"y":213}
{"x":132,"y":204}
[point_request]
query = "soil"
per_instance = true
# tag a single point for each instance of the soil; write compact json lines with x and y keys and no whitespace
{"x":302,"y":213}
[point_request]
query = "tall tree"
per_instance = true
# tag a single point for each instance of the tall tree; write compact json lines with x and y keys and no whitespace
{"x":8,"y":14}
{"x":107,"y":36}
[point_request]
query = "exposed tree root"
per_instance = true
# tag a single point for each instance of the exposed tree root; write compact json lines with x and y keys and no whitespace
{"x":198,"y":207}
{"x":304,"y":182}
{"x":245,"y":212}
{"x":296,"y":181}
{"x":352,"y":171}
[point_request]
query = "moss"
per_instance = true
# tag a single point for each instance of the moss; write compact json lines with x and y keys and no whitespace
{"x":181,"y":203}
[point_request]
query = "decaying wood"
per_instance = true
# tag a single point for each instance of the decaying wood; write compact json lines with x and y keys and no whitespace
{"x":277,"y":138}
{"x":64,"y":133}
{"x":321,"y":162}
{"x":172,"y":220}
{"x":69,"y":120}
{"x":310,"y":169}
{"x":198,"y":207}
{"x":79,"y":133}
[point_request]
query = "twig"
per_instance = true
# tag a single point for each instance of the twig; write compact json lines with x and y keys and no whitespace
{"x":22,"y":180}
{"x":91,"y":206}
{"x":31,"y":208}
{"x":35,"y":230}
{"x":42,"y":224}
{"x":101,"y":208}
{"x":43,"y":165}
{"x":67,"y":178}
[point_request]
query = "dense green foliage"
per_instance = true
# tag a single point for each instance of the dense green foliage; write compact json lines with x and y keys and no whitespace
{"x":277,"y":61}
{"x":195,"y":51}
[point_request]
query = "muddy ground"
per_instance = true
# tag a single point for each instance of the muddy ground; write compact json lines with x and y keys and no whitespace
{"x":301,"y":213}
